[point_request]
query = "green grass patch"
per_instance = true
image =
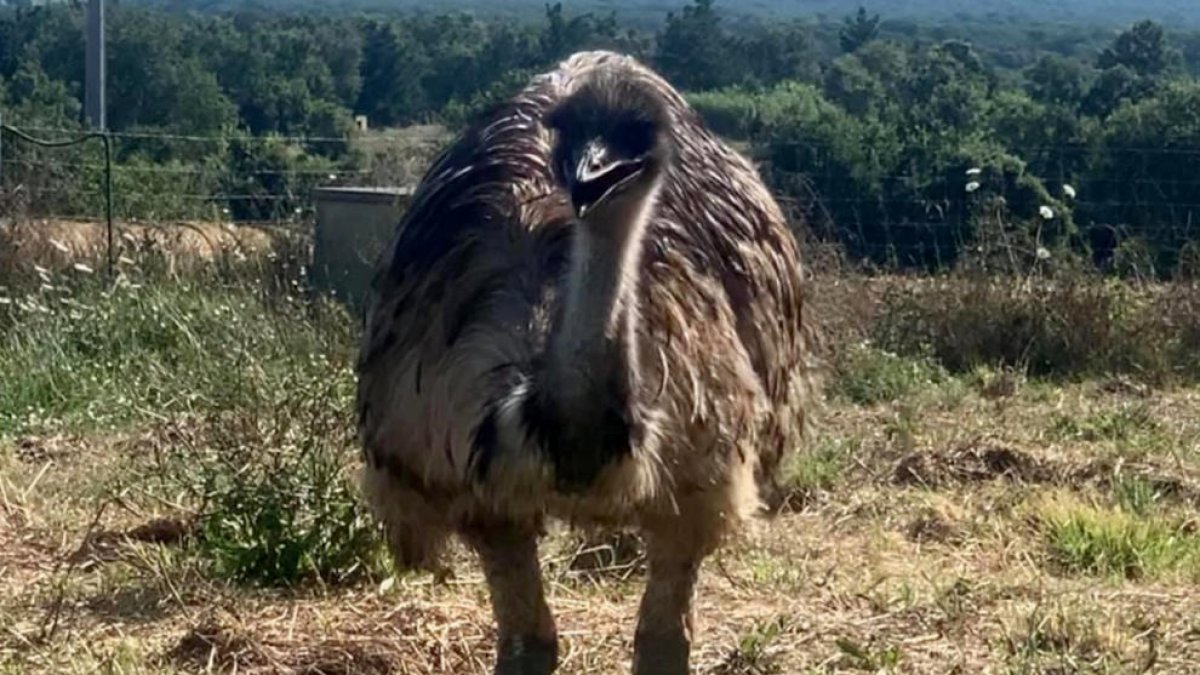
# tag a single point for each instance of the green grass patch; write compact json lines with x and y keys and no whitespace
{"x":1089,"y":540}
{"x":866,"y":375}
{"x":821,"y":468}
{"x":1121,"y":423}
{"x":84,"y":357}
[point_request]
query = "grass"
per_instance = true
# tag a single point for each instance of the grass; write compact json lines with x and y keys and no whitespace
{"x":1070,"y":325}
{"x":1085,"y":539}
{"x":1120,"y":423}
{"x":82,"y":357}
{"x":869,"y":375}
{"x":242,"y":391}
{"x":175,"y":496}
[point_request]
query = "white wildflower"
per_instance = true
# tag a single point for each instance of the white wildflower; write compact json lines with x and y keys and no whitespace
{"x":125,"y":261}
{"x":80,"y":267}
{"x":974,"y":171}
{"x":60,"y":246}
{"x":333,"y":176}
{"x":5,"y":301}
{"x":1043,"y":253}
{"x":973,"y":186}
{"x":1068,"y":190}
{"x":1047,"y":212}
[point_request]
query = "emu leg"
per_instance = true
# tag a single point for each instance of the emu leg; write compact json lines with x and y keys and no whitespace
{"x":662,"y":644}
{"x":527,"y":640}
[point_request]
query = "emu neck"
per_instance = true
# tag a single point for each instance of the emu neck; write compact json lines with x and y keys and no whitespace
{"x":593,"y":351}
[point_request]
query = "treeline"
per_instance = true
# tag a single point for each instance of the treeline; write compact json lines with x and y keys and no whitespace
{"x":909,"y":146}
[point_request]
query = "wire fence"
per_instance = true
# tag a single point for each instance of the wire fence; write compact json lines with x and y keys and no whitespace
{"x":910,"y":217}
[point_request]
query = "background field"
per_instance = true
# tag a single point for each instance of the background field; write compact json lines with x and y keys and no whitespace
{"x":175,"y":494}
{"x":998,"y":213}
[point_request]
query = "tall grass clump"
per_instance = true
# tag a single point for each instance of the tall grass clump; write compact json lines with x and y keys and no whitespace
{"x":1070,"y":325}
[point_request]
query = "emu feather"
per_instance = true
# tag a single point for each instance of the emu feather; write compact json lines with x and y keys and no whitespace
{"x":593,"y":311}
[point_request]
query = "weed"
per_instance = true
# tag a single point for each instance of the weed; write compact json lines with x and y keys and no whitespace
{"x":1055,"y":639}
{"x":777,"y":572}
{"x":1121,"y":423}
{"x":271,"y":486}
{"x":867,"y":657}
{"x":1136,"y":494}
{"x":807,"y":473}
{"x":903,"y":428}
{"x":755,"y":653}
{"x":1068,"y":326}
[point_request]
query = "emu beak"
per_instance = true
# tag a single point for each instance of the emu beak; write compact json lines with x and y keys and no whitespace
{"x":596,"y":177}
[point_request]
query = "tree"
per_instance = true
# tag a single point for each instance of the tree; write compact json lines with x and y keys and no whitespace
{"x":1143,"y":48}
{"x":392,"y":69}
{"x":858,"y":31}
{"x":948,"y":89}
{"x":774,"y":54}
{"x":694,"y":51}
{"x":1057,"y":79}
{"x":1144,"y":179}
{"x":1115,"y":86}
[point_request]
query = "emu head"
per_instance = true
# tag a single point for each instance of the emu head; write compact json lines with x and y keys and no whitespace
{"x":612,"y":144}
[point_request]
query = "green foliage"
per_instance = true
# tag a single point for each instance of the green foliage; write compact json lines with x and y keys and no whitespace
{"x":1142,"y":48}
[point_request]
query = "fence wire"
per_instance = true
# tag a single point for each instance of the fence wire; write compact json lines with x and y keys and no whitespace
{"x":107,"y":186}
{"x":166,"y":177}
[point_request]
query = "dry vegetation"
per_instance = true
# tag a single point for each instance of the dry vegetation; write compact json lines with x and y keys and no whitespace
{"x":1005,"y":479}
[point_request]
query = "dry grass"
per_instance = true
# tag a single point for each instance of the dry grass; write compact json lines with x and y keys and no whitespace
{"x":925,"y":554}
{"x":966,"y":520}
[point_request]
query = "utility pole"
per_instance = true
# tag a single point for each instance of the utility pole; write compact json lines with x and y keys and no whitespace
{"x":94,"y":95}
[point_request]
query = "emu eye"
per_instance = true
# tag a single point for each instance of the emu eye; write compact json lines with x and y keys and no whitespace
{"x":634,"y":137}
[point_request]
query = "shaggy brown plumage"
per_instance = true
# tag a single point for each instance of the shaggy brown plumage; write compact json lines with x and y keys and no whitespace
{"x":592,"y":310}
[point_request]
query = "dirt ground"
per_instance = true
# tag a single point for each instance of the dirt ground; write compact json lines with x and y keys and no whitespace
{"x":916,"y":541}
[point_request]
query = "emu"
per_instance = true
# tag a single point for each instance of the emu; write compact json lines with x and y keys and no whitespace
{"x":591,"y":311}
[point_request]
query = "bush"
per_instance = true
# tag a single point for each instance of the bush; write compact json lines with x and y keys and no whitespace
{"x":272,"y":489}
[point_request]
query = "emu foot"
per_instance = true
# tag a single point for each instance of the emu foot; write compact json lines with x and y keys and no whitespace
{"x":527,"y":655}
{"x":662,"y":654}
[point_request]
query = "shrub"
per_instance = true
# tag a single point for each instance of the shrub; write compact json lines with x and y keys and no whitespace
{"x":271,"y":487}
